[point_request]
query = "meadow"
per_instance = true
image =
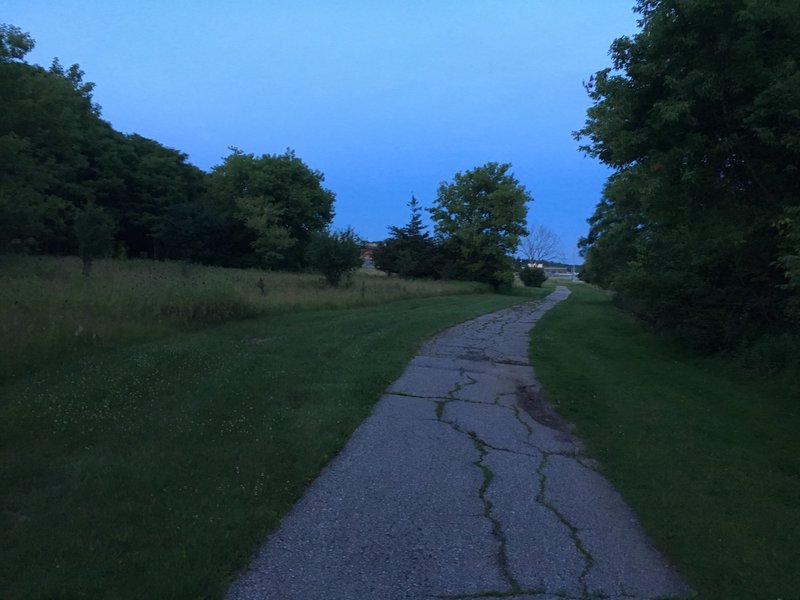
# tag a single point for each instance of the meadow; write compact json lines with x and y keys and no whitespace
{"x":706,"y":452}
{"x":154,"y":469}
{"x":49,"y":310}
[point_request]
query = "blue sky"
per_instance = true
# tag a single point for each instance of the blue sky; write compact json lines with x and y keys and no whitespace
{"x":385,"y":98}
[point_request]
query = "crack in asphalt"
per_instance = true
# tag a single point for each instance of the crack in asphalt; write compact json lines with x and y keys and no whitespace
{"x":405,"y":395}
{"x":488,"y":475}
{"x":573,"y":530}
{"x":501,"y":594}
{"x":497,"y":527}
{"x":540,"y":592}
{"x":486,"y":444}
{"x":524,"y":423}
{"x":543,"y":455}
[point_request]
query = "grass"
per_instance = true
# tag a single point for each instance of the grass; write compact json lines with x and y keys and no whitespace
{"x":155,"y":470}
{"x":708,"y":455}
{"x":49,"y":310}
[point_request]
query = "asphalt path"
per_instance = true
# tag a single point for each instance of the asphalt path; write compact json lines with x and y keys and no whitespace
{"x":452,"y":489}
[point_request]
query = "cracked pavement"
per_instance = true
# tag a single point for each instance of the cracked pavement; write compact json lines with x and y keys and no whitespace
{"x":451,"y":489}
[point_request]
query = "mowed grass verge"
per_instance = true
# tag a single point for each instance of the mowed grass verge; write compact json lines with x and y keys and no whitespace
{"x":49,"y":310}
{"x":156,"y":470}
{"x":707,"y":455}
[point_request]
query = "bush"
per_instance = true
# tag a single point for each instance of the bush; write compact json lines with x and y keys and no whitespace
{"x":501,"y":280}
{"x":532,"y":276}
{"x":334,"y":254}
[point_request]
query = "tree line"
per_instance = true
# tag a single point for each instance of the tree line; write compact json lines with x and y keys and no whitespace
{"x":69,"y":180}
{"x":479,"y":220}
{"x":71,"y":184}
{"x":698,"y":228}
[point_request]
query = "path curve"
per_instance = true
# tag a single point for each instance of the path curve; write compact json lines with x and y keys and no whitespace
{"x":450,"y":490}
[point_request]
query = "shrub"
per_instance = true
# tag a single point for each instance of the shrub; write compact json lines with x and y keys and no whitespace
{"x":532,"y":276}
{"x":334,"y":254}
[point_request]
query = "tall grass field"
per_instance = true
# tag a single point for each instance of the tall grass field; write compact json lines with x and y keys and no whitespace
{"x":49,"y":310}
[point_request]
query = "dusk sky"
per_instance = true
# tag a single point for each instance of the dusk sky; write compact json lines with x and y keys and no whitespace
{"x":385,"y":98}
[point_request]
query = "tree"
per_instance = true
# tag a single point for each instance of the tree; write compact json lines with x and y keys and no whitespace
{"x":156,"y":181}
{"x":57,"y":156}
{"x":274,"y":204}
{"x":698,"y":117}
{"x":188,"y":231}
{"x":409,"y":251}
{"x":14,"y":43}
{"x":94,"y":230}
{"x":54,"y":150}
{"x":335,"y":254}
{"x":479,"y":219}
{"x":541,"y":245}
{"x":610,"y":247}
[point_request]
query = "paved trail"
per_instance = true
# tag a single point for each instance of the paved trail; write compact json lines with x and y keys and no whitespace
{"x":450,"y":490}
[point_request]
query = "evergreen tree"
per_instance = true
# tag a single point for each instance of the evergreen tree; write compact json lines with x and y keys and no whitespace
{"x":409,"y":251}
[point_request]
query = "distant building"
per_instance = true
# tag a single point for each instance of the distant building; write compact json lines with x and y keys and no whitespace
{"x":366,"y":253}
{"x":561,"y":272}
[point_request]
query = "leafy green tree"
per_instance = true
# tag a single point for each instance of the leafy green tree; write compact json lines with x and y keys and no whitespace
{"x":335,"y":254}
{"x":42,"y":124}
{"x":610,"y":247}
{"x":409,"y":251}
{"x":155,"y":181}
{"x":53,"y":146}
{"x":94,"y":230}
{"x":479,"y":219}
{"x":31,"y":218}
{"x":189,"y":231}
{"x":57,"y":155}
{"x":698,"y":117}
{"x":274,"y":203}
{"x":14,"y":43}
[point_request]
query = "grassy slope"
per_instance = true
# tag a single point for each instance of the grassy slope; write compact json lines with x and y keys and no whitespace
{"x":708,"y":456}
{"x":155,"y":470}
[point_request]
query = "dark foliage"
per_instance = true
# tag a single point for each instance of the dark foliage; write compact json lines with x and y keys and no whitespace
{"x":335,"y":254}
{"x":697,"y":231}
{"x":272,"y":204}
{"x":532,"y":276}
{"x":57,"y":157}
{"x":480,"y":217}
{"x":409,"y":251}
{"x":94,"y":230}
